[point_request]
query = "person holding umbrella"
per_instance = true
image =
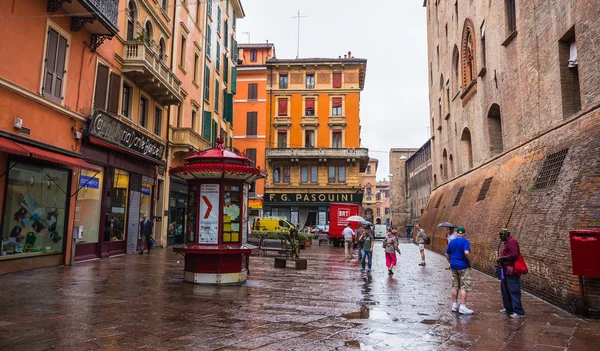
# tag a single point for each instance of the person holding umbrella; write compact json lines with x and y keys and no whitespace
{"x":451,"y":234}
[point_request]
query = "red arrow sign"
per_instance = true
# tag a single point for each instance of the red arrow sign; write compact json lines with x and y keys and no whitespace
{"x":209,"y":207}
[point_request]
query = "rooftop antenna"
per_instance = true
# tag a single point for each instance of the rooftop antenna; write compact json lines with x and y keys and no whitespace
{"x":248,"y":36}
{"x":298,"y":17}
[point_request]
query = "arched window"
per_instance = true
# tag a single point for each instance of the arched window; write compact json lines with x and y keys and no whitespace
{"x":495,"y":130}
{"x":451,"y":166}
{"x":162,"y":49}
{"x":443,"y":109}
{"x":466,"y":150}
{"x":149,"y":31}
{"x":455,"y":70}
{"x":445,"y":163}
{"x":468,"y":55}
{"x":131,"y":18}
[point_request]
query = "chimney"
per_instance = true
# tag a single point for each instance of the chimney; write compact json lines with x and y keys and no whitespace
{"x":349,"y":54}
{"x":345,"y":56}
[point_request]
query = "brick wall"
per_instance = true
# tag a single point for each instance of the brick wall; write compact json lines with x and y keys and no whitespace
{"x":541,"y":219}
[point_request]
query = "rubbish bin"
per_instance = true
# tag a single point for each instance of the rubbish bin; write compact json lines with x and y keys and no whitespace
{"x":585,"y":252}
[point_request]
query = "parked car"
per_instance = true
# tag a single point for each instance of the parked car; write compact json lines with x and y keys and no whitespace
{"x":316,"y":229}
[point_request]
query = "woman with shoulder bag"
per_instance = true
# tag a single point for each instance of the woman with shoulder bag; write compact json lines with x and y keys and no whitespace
{"x":390,"y":244}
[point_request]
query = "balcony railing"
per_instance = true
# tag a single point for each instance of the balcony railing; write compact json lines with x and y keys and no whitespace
{"x":150,"y":73}
{"x":187,"y":138}
{"x":99,"y":17}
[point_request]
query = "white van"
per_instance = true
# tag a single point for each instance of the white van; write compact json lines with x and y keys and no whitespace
{"x":380,"y":231}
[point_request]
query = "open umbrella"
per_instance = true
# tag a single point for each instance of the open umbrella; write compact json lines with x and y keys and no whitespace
{"x":448,"y":225}
{"x":366,"y":223}
{"x":355,"y":219}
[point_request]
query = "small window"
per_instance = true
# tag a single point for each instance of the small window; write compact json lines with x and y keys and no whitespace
{"x":309,"y":139}
{"x":309,"y":109}
{"x":336,"y":139}
{"x":511,"y":16}
{"x":208,"y":39}
{"x":253,"y":55}
{"x":484,"y":188}
{"x":158,"y":121}
{"x":331,"y":174}
{"x":368,"y":169}
{"x":303,"y":174}
{"x":437,"y":204}
{"x":196,"y":60}
{"x":551,"y":169}
{"x":143,"y":119}
{"x":458,"y":196}
{"x":182,"y":52}
{"x":276,"y":175}
{"x":336,"y":104}
{"x":342,"y":174}
{"x":282,"y":139}
{"x":310,"y":81}
{"x":286,"y":174}
{"x":314,"y":174}
{"x":252,"y":91}
{"x":193,"y":124}
{"x":283,"y":81}
{"x":337,"y":80}
{"x":126,"y":101}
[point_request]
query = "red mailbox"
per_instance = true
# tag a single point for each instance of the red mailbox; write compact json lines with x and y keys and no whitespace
{"x":585,"y":252}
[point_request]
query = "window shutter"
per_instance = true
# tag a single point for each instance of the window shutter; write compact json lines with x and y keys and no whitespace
{"x":337,"y":102}
{"x":206,"y":119}
{"x":113,"y":94}
{"x":337,"y":80}
{"x":251,"y":123}
{"x":217,"y":91}
{"x":228,"y":106}
{"x":252,"y":91}
{"x":235,"y":51}
{"x":61,"y":58}
{"x":282,"y":107}
{"x":234,"y":80}
{"x":51,"y":55}
{"x":206,"y":83}
{"x":101,"y":87}
{"x":310,"y":104}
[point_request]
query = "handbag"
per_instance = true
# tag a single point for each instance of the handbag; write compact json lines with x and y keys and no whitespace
{"x":520,"y":266}
{"x":384,"y":243}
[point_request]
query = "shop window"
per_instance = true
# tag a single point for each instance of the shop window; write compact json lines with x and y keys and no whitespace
{"x":303,"y":174}
{"x":283,"y":81}
{"x":231,"y":213}
{"x":276,"y":174}
{"x":310,"y":81}
{"x":35,"y":211}
{"x":88,"y":205}
{"x":116,"y":220}
{"x":342,"y":174}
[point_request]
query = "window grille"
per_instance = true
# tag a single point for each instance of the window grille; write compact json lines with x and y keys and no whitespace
{"x":484,"y":188}
{"x":458,"y":196}
{"x":439,"y":201}
{"x":551,"y":169}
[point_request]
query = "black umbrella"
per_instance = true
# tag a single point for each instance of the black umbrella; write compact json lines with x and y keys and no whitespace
{"x":448,"y":225}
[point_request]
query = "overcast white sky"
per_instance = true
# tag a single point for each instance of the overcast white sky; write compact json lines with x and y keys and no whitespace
{"x":391,"y":34}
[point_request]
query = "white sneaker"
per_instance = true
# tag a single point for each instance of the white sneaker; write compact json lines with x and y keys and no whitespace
{"x":515,"y":315}
{"x":455,"y":307}
{"x":464,"y":310}
{"x":503,"y":310}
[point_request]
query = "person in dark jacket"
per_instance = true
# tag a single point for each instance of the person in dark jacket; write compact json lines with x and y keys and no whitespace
{"x":146,"y":233}
{"x":510,"y":286}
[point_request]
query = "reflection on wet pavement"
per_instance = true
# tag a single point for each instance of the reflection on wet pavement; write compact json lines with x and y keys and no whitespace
{"x":136,"y":301}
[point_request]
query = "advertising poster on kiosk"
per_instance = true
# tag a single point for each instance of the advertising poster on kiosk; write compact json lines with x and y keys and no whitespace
{"x":245,"y":216}
{"x":209,"y":214}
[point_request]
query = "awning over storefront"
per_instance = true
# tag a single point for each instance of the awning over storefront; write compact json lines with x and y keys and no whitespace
{"x":16,"y":148}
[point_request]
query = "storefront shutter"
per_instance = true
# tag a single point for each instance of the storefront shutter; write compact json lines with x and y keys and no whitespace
{"x":113,"y":94}
{"x":206,"y":119}
{"x":101,"y":87}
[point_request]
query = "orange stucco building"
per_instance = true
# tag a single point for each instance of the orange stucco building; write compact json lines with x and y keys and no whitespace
{"x":313,"y":135}
{"x":250,"y":117}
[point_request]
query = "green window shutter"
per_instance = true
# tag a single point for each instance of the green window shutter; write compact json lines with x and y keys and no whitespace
{"x":233,"y":80}
{"x":231,"y":142}
{"x":234,"y":18}
{"x":208,"y":37}
{"x":226,"y":69}
{"x":229,"y":108}
{"x":226,"y":38}
{"x":219,"y":20}
{"x":206,"y":82}
{"x":235,"y":52}
{"x":217,"y":91}
{"x":218,"y":64}
{"x":215,"y":129}
{"x":206,"y":119}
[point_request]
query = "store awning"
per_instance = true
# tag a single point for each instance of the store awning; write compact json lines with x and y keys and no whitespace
{"x":16,"y":148}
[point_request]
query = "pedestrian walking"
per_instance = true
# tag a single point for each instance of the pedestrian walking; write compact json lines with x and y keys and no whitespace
{"x":510,"y":285}
{"x":458,"y":253}
{"x":390,"y":244}
{"x":421,"y":240}
{"x":367,"y":249}
{"x":146,"y":233}
{"x":348,"y":233}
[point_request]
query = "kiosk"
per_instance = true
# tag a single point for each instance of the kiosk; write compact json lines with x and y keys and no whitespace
{"x":216,"y":249}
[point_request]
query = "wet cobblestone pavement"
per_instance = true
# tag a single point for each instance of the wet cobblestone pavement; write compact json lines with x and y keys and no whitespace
{"x":141,"y":302}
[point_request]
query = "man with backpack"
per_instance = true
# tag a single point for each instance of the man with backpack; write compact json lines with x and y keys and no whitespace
{"x":422,"y":240}
{"x":510,"y":285}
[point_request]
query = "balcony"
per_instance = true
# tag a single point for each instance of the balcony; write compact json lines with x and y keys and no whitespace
{"x":150,"y":73}
{"x":98,"y":17}
{"x":351,"y":155}
{"x":185,"y":139}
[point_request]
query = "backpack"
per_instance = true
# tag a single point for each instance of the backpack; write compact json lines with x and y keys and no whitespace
{"x":427,"y":240}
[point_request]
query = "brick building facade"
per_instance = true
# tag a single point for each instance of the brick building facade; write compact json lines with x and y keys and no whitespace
{"x":418,"y":175}
{"x":399,"y":215}
{"x":514,"y":100}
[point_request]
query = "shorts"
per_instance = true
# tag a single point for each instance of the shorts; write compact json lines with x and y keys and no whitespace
{"x":462,"y":279}
{"x":421,"y":247}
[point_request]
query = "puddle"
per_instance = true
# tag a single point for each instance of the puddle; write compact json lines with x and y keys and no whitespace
{"x":352,"y":343}
{"x":430,"y":321}
{"x":362,"y":314}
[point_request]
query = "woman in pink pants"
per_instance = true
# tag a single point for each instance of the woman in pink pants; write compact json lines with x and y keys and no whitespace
{"x":391,"y":247}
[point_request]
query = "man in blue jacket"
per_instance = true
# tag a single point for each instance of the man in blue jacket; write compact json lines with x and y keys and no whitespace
{"x":458,"y":253}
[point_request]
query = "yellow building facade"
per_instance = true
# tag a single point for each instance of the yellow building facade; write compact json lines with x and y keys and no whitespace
{"x":313,"y":137}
